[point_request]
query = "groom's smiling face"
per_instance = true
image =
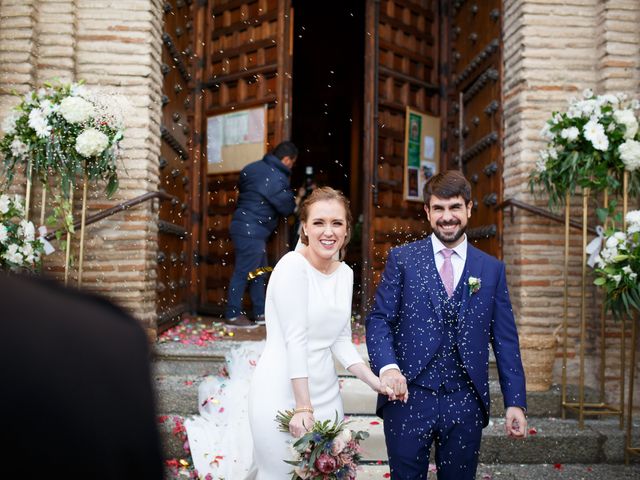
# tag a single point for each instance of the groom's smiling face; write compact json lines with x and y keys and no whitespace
{"x":448,"y":218}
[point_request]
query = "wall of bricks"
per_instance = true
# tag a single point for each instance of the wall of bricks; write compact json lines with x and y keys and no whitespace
{"x":552,"y":51}
{"x":114,"y":47}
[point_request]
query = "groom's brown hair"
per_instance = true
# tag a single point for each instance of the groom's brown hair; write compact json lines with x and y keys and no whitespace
{"x":449,"y":184}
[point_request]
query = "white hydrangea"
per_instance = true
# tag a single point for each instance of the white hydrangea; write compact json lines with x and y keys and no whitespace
{"x":18,"y":204}
{"x":9,"y":122}
{"x":620,"y":236}
{"x":630,"y":154}
{"x":4,"y":203}
{"x":546,"y":132}
{"x":627,"y":118}
{"x":38,"y":121}
{"x":18,"y":148}
{"x":91,"y":142}
{"x":608,"y":98}
{"x":48,"y":108}
{"x":27,"y":230}
{"x":594,"y":132}
{"x":12,"y":255}
{"x":570,"y":134}
{"x":76,"y":109}
{"x":633,"y":221}
{"x":4,"y":234}
{"x":27,"y":252}
{"x":587,"y":93}
{"x":612,"y":242}
{"x":78,"y":90}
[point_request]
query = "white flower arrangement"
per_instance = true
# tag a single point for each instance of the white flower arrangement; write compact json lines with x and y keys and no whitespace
{"x":618,"y":266}
{"x":67,"y":130}
{"x":19,"y":247}
{"x":590,"y":145}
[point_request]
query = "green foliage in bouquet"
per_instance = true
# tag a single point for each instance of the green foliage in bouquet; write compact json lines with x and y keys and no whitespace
{"x":329,"y":451}
{"x":590,"y":146}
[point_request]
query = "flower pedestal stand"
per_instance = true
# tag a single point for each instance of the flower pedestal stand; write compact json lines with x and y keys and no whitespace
{"x":580,"y":406}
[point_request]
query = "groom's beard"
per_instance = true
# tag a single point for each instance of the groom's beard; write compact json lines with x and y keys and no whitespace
{"x":448,"y":238}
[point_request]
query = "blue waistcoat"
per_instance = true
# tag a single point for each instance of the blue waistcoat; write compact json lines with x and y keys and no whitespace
{"x":445,"y":368}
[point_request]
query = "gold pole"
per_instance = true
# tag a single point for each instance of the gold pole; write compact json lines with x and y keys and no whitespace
{"x":634,"y":340}
{"x":82,"y":221}
{"x":623,"y":337}
{"x":68,"y":254}
{"x":583,"y":309}
{"x":27,"y":196}
{"x":565,"y":320}
{"x":42,"y":207}
{"x":603,"y":343}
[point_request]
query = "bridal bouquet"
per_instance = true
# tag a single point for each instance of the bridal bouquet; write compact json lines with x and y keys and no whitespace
{"x":618,"y":266}
{"x":65,"y":130}
{"x":19,"y":247}
{"x":329,"y":451}
{"x":590,"y":146}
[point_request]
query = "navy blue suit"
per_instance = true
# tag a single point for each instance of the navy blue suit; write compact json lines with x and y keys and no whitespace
{"x":409,"y":326}
{"x":265,"y":196}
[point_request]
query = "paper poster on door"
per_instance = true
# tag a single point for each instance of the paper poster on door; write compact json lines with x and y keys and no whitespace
{"x":422,"y":152}
{"x":235,"y":139}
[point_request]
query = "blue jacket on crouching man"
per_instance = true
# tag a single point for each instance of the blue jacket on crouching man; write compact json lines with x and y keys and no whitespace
{"x":265,"y":196}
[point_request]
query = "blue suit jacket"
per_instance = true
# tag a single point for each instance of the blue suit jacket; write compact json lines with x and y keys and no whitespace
{"x":405,"y":325}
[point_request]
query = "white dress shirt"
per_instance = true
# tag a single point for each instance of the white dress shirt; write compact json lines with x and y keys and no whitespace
{"x":458,"y":259}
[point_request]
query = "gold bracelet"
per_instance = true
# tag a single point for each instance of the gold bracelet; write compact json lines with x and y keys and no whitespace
{"x":303,"y":409}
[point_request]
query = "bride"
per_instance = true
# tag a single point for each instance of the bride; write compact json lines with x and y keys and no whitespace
{"x":308,"y":313}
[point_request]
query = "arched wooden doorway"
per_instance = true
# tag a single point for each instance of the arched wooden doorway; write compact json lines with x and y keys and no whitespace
{"x":443,"y":58}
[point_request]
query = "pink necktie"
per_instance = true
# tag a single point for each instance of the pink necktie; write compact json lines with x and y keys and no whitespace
{"x":446,"y":272}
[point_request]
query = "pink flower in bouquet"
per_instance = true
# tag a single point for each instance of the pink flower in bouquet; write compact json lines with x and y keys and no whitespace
{"x":338,"y":446}
{"x":325,"y":463}
{"x":302,"y":472}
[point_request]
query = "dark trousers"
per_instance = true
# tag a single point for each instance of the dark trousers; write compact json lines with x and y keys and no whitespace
{"x":453,"y":420}
{"x":250,"y":253}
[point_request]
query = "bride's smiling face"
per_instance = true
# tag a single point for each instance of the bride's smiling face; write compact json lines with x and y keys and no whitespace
{"x":326,"y":228}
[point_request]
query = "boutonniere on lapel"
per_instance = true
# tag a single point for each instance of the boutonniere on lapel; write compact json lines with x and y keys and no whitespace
{"x":474,"y":285}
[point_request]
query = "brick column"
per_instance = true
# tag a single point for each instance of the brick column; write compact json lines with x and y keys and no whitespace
{"x":116,"y":47}
{"x":552,"y":51}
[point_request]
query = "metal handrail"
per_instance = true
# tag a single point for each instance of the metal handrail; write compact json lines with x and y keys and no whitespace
{"x":161,"y":194}
{"x":512,"y":202}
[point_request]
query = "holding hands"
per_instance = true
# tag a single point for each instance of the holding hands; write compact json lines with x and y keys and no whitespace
{"x":395,"y":382}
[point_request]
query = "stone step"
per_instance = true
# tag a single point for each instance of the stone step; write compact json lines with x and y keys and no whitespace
{"x":555,"y":441}
{"x":174,"y":358}
{"x":179,"y":394}
{"x":507,"y":472}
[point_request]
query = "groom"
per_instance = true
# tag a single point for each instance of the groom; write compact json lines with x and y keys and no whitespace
{"x":439,"y":304}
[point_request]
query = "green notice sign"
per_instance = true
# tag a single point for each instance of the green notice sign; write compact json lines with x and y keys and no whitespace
{"x":415,"y":131}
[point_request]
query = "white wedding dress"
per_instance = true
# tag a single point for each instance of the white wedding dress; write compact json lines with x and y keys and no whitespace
{"x":308,"y":318}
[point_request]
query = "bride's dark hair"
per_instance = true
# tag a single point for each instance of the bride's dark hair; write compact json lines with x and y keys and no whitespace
{"x":323,"y":194}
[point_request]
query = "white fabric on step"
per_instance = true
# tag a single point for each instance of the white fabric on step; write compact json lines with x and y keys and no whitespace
{"x":220,"y":437}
